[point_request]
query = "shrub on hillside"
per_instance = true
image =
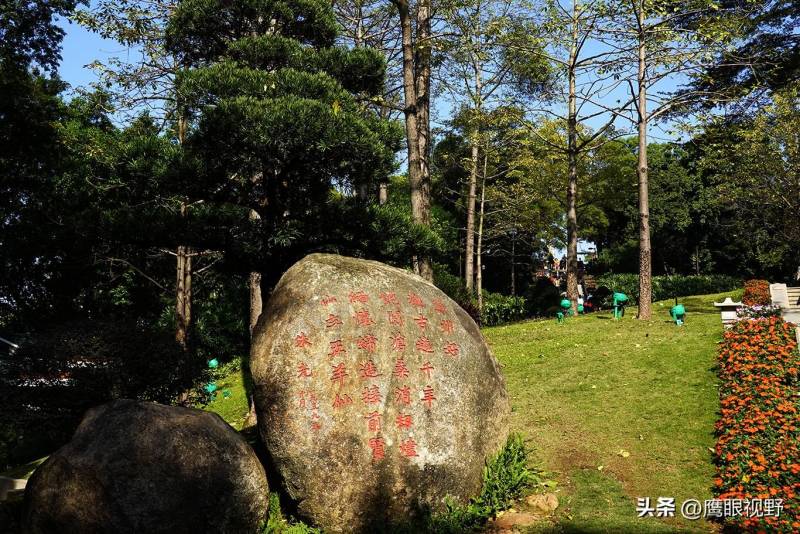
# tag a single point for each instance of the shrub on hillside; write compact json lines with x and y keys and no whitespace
{"x":454,"y":287}
{"x":667,"y":287}
{"x":756,"y":293}
{"x":542,"y":298}
{"x":499,"y":309}
{"x":757,"y":451}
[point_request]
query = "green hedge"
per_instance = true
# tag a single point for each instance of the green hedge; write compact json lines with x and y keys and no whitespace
{"x":667,"y":287}
{"x":497,"y":308}
{"x":500,"y":309}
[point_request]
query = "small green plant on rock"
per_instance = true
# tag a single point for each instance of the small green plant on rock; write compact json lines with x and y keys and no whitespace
{"x":506,"y":477}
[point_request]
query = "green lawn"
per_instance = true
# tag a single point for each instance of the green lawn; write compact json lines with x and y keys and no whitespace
{"x":614,"y":410}
{"x":617,"y":410}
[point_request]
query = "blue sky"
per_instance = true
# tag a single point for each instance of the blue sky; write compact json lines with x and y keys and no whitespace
{"x":81,"y":47}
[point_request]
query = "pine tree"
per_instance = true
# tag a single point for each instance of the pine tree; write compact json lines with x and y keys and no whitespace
{"x":279,"y":116}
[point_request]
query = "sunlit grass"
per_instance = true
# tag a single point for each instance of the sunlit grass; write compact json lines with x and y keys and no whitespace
{"x":617,"y":409}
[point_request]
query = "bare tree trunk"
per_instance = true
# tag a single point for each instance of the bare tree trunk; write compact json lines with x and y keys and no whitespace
{"x":514,"y":265}
{"x":383,"y":194}
{"x":181,"y":326}
{"x":416,"y":85}
{"x":479,"y":251}
{"x":469,"y":256}
{"x":473,"y":172}
{"x":183,"y":282}
{"x":572,"y":170}
{"x":645,"y":267}
{"x":255,"y":288}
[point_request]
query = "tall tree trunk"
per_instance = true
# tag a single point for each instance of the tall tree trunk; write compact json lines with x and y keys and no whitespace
{"x":254,"y":284}
{"x":514,"y":265}
{"x":572,"y":170}
{"x":469,"y":256}
{"x":474,"y":139}
{"x":183,"y":282}
{"x":645,"y":267}
{"x":479,"y":249}
{"x":416,"y":86}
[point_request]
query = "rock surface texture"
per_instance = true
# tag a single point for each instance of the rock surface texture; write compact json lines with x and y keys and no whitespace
{"x":144,"y":467}
{"x":377,"y":395}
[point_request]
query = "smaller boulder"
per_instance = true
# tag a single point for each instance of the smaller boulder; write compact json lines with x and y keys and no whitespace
{"x":144,"y":467}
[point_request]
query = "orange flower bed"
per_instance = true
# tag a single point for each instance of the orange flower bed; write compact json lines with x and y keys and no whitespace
{"x":756,"y":293}
{"x":758,"y":444}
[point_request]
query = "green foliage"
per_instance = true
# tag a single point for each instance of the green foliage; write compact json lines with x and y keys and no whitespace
{"x":499,"y":309}
{"x":542,"y":298}
{"x":667,"y":287}
{"x":277,"y":524}
{"x":29,"y":34}
{"x":65,"y":370}
{"x":506,"y":477}
{"x":279,"y":128}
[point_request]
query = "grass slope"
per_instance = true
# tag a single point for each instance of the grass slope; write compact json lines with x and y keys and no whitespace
{"x":617,"y":410}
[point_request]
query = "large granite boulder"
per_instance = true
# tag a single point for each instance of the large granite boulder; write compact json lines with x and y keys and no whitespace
{"x":376,"y":394}
{"x":144,"y":467}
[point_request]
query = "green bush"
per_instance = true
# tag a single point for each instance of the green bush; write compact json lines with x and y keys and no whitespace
{"x":542,"y":298}
{"x":506,"y":478}
{"x":499,"y":309}
{"x":667,"y":287}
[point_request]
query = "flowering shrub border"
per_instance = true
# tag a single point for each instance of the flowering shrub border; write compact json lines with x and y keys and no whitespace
{"x":758,"y":311}
{"x":758,"y":433}
{"x":756,"y":292}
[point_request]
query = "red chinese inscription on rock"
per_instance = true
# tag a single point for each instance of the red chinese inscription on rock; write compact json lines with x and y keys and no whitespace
{"x":415,"y":300}
{"x":428,"y":396}
{"x":402,"y":395}
{"x":367,"y":343}
{"x":408,"y":448}
{"x":315,"y":424}
{"x":398,"y":342}
{"x":302,"y":341}
{"x":378,"y":447}
{"x":337,"y":348}
{"x":400,"y":369}
{"x":332,"y":321}
{"x":368,"y":370}
{"x":403,"y":420}
{"x":389,"y":298}
{"x":373,"y":421}
{"x":452,"y":349}
{"x":426,"y":369}
{"x":339,"y":374}
{"x":438,"y":305}
{"x":446,"y":326}
{"x":328,"y":300}
{"x":341,"y":401}
{"x":303,"y":370}
{"x":371,"y":395}
{"x":424,"y":344}
{"x":396,"y":318}
{"x":421,"y":321}
{"x":363,"y":318}
{"x":359,"y":296}
{"x":307,"y":399}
